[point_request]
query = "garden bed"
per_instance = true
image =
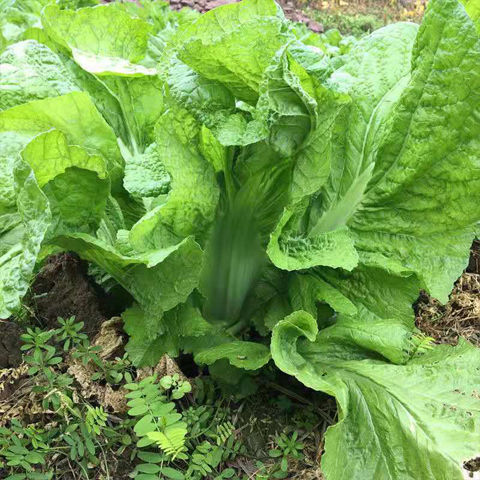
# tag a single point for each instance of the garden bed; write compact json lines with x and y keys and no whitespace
{"x":230,"y":242}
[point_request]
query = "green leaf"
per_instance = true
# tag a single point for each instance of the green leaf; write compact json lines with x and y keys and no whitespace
{"x":146,"y":476}
{"x":305,"y":290}
{"x":246,"y":355}
{"x":35,"y":458}
{"x":138,"y":410}
{"x":159,"y":280}
{"x":31,"y":71}
{"x":410,"y":175}
{"x":104,"y":40}
{"x":148,"y":468}
{"x":145,"y":174}
{"x":409,"y":421}
{"x":376,"y":292}
{"x":192,"y":183}
{"x":144,"y":425}
{"x":274,"y":453}
{"x":209,"y":101}
{"x":403,"y":206}
{"x":141,"y":101}
{"x":21,"y":237}
{"x":224,"y":44}
{"x":151,"y":337}
{"x":75,"y":182}
{"x":150,"y":457}
{"x":74,"y":115}
{"x":172,"y":473}
{"x":473,"y":9}
{"x":290,"y":251}
{"x":18,"y":16}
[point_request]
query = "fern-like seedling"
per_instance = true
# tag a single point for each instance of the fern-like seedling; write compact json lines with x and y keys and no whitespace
{"x":158,"y":422}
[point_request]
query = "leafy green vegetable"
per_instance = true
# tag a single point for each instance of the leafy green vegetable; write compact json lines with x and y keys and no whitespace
{"x":395,"y":421}
{"x":75,"y":115}
{"x":247,"y":355}
{"x":31,"y":71}
{"x":233,"y":175}
{"x":103,"y":40}
{"x":22,"y":230}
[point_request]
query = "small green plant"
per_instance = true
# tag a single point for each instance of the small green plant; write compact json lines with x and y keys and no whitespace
{"x":69,"y":427}
{"x":112,"y":371}
{"x":286,"y":448}
{"x":350,"y":24}
{"x":48,"y":381}
{"x":95,"y":419}
{"x":157,"y":421}
{"x":70,"y":333}
{"x":36,"y":339}
{"x":165,"y":434}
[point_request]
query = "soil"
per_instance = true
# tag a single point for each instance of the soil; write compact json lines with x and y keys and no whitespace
{"x":10,"y":343}
{"x":460,"y":317}
{"x":63,"y":289}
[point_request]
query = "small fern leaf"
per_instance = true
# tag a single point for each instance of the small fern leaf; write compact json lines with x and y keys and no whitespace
{"x":172,"y":439}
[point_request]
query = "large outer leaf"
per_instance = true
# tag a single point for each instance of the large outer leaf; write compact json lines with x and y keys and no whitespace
{"x":77,"y":184}
{"x":31,"y":71}
{"x":396,"y":422}
{"x":73,"y":114}
{"x":234,"y":44}
{"x":338,"y":150}
{"x":192,"y":201}
{"x":21,"y":235}
{"x":406,"y":155}
{"x":103,"y":40}
{"x":374,"y":74}
{"x":57,"y":188}
{"x":158,"y":280}
{"x":422,"y":201}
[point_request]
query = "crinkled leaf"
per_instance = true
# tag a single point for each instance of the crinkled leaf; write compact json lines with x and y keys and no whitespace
{"x":210,"y":102}
{"x":145,"y":174}
{"x":73,"y":114}
{"x":21,"y":235}
{"x":290,"y":250}
{"x":158,"y":280}
{"x":103,"y":40}
{"x":152,"y":337}
{"x":410,"y":213}
{"x":141,"y":101}
{"x":375,"y":291}
{"x":76,"y":183}
{"x":417,"y":420}
{"x":305,"y":290}
{"x":192,"y":201}
{"x":246,"y":355}
{"x":31,"y":71}
{"x":234,"y":44}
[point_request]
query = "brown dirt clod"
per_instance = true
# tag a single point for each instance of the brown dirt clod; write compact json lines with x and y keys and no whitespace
{"x":63,"y":289}
{"x":10,"y":343}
